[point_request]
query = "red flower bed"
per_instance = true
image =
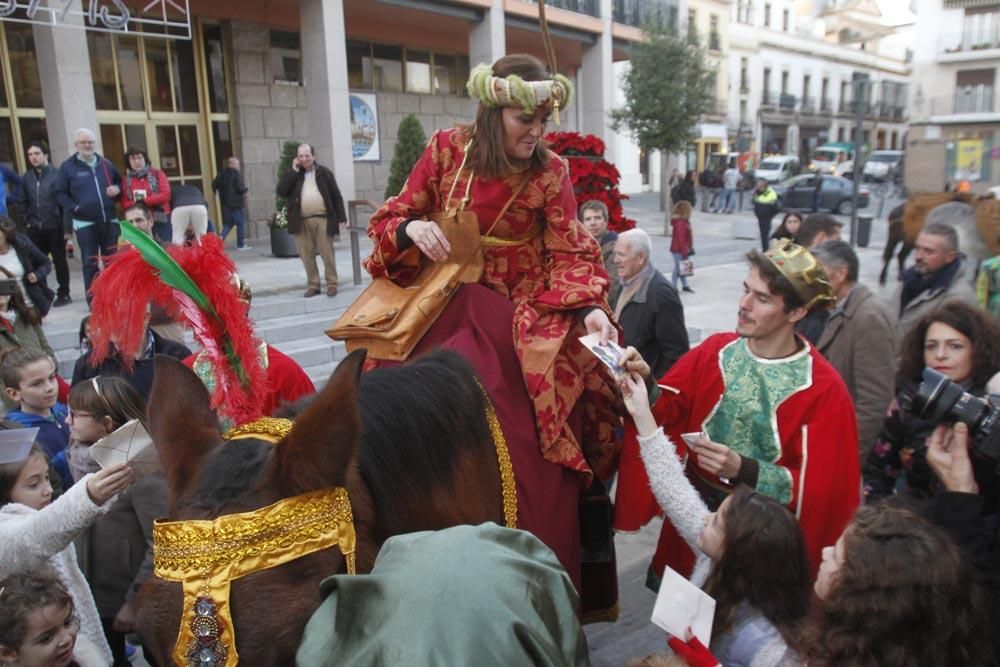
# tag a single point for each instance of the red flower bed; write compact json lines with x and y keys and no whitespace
{"x":593,"y":177}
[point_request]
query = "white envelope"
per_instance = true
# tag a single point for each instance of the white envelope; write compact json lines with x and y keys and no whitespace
{"x":129,"y":444}
{"x":681,"y":605}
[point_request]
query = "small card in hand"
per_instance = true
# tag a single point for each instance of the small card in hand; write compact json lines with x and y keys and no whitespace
{"x":610,"y":353}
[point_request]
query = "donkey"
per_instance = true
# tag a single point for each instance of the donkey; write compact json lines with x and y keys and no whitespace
{"x":411,"y":445}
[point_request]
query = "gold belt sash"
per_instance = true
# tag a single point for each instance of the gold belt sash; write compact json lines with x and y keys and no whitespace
{"x":207,"y":556}
{"x":499,"y":242}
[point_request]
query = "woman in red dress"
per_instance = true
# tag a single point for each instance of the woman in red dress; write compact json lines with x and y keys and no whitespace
{"x":543,"y":287}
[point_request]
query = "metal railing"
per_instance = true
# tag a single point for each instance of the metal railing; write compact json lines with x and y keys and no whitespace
{"x":946,"y":105}
{"x":787,"y":101}
{"x":825,"y":105}
{"x":356,"y":231}
{"x":808,"y":104}
{"x":588,"y":7}
{"x":969,"y":41}
{"x":769,"y":98}
{"x":639,"y":13}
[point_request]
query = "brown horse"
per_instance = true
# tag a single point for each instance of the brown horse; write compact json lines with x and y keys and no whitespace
{"x":411,"y":445}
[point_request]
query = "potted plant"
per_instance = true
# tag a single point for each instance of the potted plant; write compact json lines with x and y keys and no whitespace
{"x":282,"y":243}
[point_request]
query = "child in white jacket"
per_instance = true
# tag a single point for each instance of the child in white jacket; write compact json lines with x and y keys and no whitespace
{"x":37,"y":532}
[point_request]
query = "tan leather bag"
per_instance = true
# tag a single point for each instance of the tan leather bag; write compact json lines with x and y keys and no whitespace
{"x":389,"y":320}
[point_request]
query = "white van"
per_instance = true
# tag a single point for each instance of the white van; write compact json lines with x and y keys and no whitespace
{"x":776,"y":168}
{"x":880,"y":164}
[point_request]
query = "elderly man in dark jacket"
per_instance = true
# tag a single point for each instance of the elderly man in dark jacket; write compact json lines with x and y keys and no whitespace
{"x":47,"y":228}
{"x":89,"y":186}
{"x":315,"y":212}
{"x":647,"y":307}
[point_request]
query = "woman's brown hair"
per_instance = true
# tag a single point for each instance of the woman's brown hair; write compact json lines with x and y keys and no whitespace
{"x":763,"y":563}
{"x":487,"y":154}
{"x":971,"y":322}
{"x":681,"y":209}
{"x":903,"y":596}
{"x":19,"y":305}
{"x":108,"y":396}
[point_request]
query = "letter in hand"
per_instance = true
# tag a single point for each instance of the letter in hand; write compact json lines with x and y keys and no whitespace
{"x":716,"y":458}
{"x":633,"y":362}
{"x":109,"y":482}
{"x":948,"y":457}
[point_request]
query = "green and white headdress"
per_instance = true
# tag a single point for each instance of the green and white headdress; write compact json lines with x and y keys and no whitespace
{"x":513,"y":91}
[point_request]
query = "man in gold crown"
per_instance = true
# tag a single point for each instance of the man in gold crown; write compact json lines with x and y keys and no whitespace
{"x":769,"y":410}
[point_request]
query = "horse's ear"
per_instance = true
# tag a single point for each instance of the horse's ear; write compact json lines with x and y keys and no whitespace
{"x":181,"y":423}
{"x":321,"y":446}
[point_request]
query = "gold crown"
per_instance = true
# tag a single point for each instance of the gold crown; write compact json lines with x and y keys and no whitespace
{"x":802,"y":270}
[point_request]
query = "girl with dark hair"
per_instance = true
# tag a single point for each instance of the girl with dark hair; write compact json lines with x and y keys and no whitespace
{"x":757,"y":568}
{"x":681,"y":241}
{"x":98,"y":407}
{"x":895,"y":590}
{"x":543,"y":286}
{"x":963,"y":343}
{"x":789,"y":227}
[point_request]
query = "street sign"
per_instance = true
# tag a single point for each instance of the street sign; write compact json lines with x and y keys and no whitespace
{"x":169,"y":19}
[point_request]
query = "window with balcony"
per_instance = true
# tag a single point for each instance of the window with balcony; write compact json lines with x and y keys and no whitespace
{"x":744,"y":12}
{"x":767,"y":14}
{"x":981,"y":28}
{"x":785,"y":20}
{"x":744,"y":75}
{"x":784,"y":83}
{"x":743,"y":112}
{"x":824,"y":95}
{"x":639,"y":13}
{"x":714,"y":39}
{"x":974,"y":91}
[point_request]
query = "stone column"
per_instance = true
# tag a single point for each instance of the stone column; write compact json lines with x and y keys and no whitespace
{"x":324,"y":57}
{"x":596,"y":93}
{"x":67,"y":86}
{"x":488,"y":38}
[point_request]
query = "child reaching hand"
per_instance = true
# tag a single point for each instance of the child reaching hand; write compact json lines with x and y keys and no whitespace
{"x":39,"y":626}
{"x":124,"y":535}
{"x":36,"y":531}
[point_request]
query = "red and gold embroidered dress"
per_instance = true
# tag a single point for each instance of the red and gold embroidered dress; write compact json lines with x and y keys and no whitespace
{"x":539,"y":257}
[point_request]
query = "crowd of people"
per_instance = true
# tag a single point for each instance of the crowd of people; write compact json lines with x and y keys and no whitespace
{"x":808,"y":480}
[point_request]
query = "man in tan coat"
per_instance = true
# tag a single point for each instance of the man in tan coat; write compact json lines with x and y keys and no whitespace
{"x":859,"y":341}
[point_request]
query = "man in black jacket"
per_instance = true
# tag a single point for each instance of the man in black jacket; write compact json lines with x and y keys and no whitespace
{"x":647,"y":307}
{"x":43,"y":218}
{"x":231,"y":188}
{"x":315,"y":213}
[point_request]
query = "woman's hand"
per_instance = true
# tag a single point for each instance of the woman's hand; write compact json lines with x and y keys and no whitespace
{"x":633,"y":362}
{"x":597,"y":321}
{"x":124,"y":620}
{"x":948,"y":457}
{"x":109,"y":482}
{"x":637,"y":403}
{"x":429,"y":239}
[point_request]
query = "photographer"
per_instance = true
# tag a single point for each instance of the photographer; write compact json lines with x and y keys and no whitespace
{"x":962,"y":343}
{"x":147,"y":184}
{"x":959,"y":509}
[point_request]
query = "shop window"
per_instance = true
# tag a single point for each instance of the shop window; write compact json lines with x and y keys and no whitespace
{"x":8,"y":153}
{"x":222,"y":138}
{"x":158,"y":75}
{"x":185,"y":80}
{"x":23,"y":65}
{"x":113,"y":146}
{"x":286,"y":56}
{"x":102,"y":70}
{"x":445,"y":74}
{"x":218,"y":96}
{"x":387,"y":68}
{"x":418,"y":71}
{"x":129,"y":73}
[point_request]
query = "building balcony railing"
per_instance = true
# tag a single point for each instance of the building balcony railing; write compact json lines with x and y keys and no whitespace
{"x":640,"y":13}
{"x":718,"y":107}
{"x":808,"y":105}
{"x":588,"y":7}
{"x":947,"y":105}
{"x":969,"y":41}
{"x":825,"y":105}
{"x":851,"y":106}
{"x":787,"y":101}
{"x":769,"y":98}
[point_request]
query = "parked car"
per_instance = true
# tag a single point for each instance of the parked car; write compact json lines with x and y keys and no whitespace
{"x":828,"y":158}
{"x":777,"y":168}
{"x":835,"y":193}
{"x":882,"y":165}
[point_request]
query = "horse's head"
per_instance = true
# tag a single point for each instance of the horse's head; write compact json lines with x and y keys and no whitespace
{"x":209,"y":477}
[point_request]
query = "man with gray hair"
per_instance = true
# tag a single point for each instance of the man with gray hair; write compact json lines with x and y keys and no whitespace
{"x":648,"y":307}
{"x":940,"y":274}
{"x":859,"y":340}
{"x":87,"y":187}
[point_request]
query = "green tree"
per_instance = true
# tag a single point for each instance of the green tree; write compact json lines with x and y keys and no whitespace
{"x":288,"y":153}
{"x":670,"y":84}
{"x":410,"y":144}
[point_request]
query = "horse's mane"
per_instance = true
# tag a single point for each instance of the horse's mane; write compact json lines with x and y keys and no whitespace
{"x":436,"y":395}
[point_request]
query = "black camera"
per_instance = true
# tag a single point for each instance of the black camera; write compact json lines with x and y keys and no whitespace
{"x":940,"y":400}
{"x":9,"y":287}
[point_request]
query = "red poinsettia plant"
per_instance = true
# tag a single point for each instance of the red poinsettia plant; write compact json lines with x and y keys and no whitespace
{"x":593,"y":177}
